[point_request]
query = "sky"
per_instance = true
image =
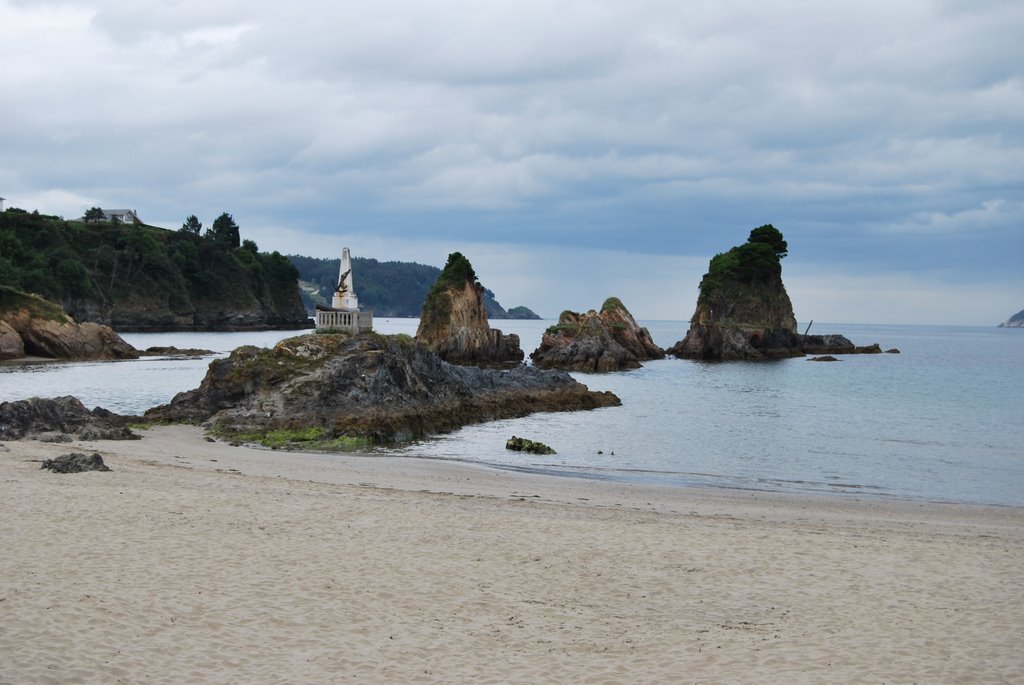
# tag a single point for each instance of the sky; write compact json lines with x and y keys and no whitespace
{"x":572,"y":150}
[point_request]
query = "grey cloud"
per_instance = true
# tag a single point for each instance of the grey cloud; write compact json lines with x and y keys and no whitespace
{"x":553,"y":122}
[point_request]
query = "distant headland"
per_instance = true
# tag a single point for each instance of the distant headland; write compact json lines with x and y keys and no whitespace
{"x":1015,"y":321}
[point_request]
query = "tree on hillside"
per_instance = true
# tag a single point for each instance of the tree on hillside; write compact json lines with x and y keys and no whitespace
{"x":94,"y":215}
{"x":192,"y":225}
{"x":225,"y":231}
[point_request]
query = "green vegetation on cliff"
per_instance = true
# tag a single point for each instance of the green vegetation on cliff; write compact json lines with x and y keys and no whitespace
{"x":386,"y":288}
{"x":756,"y":262}
{"x":438,"y":303}
{"x":136,"y":276}
{"x":12,"y":300}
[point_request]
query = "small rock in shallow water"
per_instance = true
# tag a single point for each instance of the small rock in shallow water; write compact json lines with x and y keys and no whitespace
{"x":76,"y":462}
{"x":530,"y":446}
{"x":826,"y":358}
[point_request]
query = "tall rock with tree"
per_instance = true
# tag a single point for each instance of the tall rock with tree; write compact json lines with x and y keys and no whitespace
{"x":454,"y":322}
{"x":743,"y":310}
{"x":609,"y":340}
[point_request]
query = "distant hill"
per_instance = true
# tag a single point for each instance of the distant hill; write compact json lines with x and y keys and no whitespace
{"x":395,"y":289}
{"x":133,"y":277}
{"x":1015,"y":321}
{"x":522,"y":313}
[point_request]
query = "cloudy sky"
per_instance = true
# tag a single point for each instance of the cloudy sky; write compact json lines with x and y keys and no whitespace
{"x":571,"y":149}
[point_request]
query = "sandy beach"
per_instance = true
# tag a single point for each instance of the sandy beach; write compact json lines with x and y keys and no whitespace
{"x":199,"y":562}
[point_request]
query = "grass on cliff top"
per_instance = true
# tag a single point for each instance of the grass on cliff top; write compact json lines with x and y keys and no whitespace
{"x":12,"y":300}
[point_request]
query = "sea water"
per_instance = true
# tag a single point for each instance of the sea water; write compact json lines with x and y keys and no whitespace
{"x":943,"y":420}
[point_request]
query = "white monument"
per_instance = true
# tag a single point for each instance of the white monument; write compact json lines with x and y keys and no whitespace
{"x":345,"y":293}
{"x":343,"y":316}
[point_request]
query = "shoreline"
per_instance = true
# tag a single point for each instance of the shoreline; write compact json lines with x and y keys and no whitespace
{"x":194,"y":561}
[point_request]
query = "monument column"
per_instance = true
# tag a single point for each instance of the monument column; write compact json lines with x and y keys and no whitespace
{"x":345,"y":295}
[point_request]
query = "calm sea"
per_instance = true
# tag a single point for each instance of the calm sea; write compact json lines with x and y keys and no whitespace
{"x":944,"y":420}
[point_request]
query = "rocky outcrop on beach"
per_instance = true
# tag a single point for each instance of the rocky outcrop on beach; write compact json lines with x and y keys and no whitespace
{"x":1015,"y":321}
{"x":31,"y":326}
{"x":370,"y":387}
{"x":60,"y":419}
{"x":609,"y":340}
{"x":454,"y":321}
{"x":76,"y":462}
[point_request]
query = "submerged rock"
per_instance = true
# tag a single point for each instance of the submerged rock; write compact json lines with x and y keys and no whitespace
{"x":609,"y":340}
{"x":55,"y":419}
{"x":374,"y":387}
{"x":454,"y":322}
{"x":75,"y":462}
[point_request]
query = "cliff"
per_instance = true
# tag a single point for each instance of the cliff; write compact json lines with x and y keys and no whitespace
{"x":337,"y":388}
{"x":453,"y":321}
{"x":31,"y":326}
{"x":136,"y":277}
{"x":609,"y":340}
{"x":1015,"y":321}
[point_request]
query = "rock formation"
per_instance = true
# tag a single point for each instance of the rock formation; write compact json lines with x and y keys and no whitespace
{"x":45,"y":331}
{"x":744,"y":312}
{"x":49,"y":419}
{"x":454,"y":324}
{"x":76,"y":462}
{"x":371,"y":387}
{"x":607,"y":341}
{"x":529,"y":446}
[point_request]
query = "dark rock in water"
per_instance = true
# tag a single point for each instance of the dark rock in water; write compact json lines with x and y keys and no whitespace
{"x":530,"y":446}
{"x":454,"y":323}
{"x":826,"y":358}
{"x":373,"y":387}
{"x":172,"y":351}
{"x":834,"y":344}
{"x":892,"y":350}
{"x":75,"y":462}
{"x":607,"y":341}
{"x":46,"y":418}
